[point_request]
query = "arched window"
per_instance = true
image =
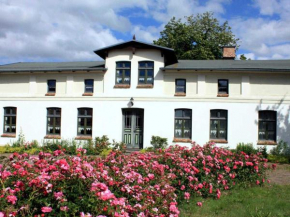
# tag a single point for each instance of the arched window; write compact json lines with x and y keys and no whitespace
{"x":10,"y":114}
{"x":182,"y":126}
{"x":53,"y":121}
{"x":218,"y":124}
{"x":85,"y":121}
{"x":267,"y":125}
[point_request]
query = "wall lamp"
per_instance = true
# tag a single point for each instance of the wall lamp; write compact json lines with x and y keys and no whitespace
{"x":131,"y":101}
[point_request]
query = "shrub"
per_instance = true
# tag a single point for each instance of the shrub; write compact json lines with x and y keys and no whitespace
{"x":140,"y":184}
{"x":278,"y":159}
{"x":119,"y":146}
{"x":101,"y":143}
{"x":246,"y":148}
{"x":105,"y":152}
{"x":282,"y":149}
{"x":158,"y":142}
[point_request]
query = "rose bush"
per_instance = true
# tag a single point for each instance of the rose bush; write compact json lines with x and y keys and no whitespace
{"x":140,"y":184}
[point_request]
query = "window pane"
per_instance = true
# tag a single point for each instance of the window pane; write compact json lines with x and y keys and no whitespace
{"x":119,"y":80}
{"x":180,"y":89}
{"x":127,"y":64}
{"x":223,"y":125}
{"x":141,"y":80}
{"x":223,"y":83}
{"x":119,"y":64}
{"x":178,"y":113}
{"x":271,"y":136}
{"x":180,"y":82}
{"x":127,"y":73}
{"x":150,"y":64}
{"x":89,"y":82}
{"x":142,"y":64}
{"x":119,"y":73}
{"x":150,"y":73}
{"x":89,"y":112}
{"x":89,"y":122}
{"x":187,"y":124}
{"x":177,"y":133}
{"x":82,"y":112}
{"x":89,"y":89}
{"x":57,"y":121}
{"x":13,"y":120}
{"x":81,"y":121}
{"x":141,"y":72}
{"x":58,"y":111}
{"x":149,"y":80}
{"x":178,"y":124}
{"x":187,"y":113}
{"x":127,"y":80}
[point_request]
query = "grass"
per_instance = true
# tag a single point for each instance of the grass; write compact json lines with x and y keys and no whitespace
{"x":268,"y":201}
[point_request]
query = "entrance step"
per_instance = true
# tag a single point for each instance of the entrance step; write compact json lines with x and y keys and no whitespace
{"x":131,"y":150}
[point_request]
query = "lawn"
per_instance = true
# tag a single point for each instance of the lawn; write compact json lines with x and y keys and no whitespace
{"x":267,"y":201}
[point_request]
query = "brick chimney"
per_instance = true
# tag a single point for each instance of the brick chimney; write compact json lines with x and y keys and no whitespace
{"x":229,"y":52}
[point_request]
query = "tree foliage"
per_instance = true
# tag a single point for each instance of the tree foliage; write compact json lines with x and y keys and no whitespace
{"x":199,"y":37}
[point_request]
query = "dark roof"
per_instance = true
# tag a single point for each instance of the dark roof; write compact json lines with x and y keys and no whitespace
{"x":169,"y":54}
{"x":53,"y":66}
{"x":229,"y":65}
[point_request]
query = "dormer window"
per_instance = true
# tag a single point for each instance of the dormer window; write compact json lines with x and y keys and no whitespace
{"x":146,"y":73}
{"x":123,"y":74}
{"x":51,"y":87}
{"x":223,"y":87}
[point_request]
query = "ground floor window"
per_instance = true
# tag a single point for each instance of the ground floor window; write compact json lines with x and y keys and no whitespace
{"x":218,"y":124}
{"x":182,"y":126}
{"x":267,"y":125}
{"x":53,"y":121}
{"x":10,"y":120}
{"x":85,"y":121}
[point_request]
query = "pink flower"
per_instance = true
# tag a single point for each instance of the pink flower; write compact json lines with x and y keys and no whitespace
{"x":249,"y":164}
{"x":186,"y":195}
{"x":64,"y":208}
{"x":151,"y":176}
{"x":257,"y":182}
{"x":58,"y":195}
{"x":2,"y":214}
{"x":199,"y":204}
{"x":46,"y":209}
{"x":11,"y":199}
{"x":274,"y":166}
{"x":173,"y":208}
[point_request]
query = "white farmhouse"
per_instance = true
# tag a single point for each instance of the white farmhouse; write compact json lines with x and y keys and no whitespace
{"x":140,"y":90}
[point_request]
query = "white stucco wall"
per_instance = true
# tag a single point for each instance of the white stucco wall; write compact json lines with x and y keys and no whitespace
{"x":158,"y":119}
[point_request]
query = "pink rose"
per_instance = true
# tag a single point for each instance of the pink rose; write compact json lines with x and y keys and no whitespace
{"x":46,"y":209}
{"x":11,"y":199}
{"x":199,"y":204}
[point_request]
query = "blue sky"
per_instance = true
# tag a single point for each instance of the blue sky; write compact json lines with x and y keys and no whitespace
{"x":69,"y":30}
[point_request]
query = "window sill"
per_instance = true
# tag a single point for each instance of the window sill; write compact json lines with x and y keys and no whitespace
{"x":84,"y":138}
{"x":183,"y":140}
{"x":50,"y":94}
{"x":222,"y":141}
{"x":145,"y":86}
{"x":88,"y":94}
{"x":266,"y":142}
{"x":122,"y":86}
{"x":223,"y":95}
{"x":8,"y":135}
{"x":52,"y":137}
{"x":180,"y":94}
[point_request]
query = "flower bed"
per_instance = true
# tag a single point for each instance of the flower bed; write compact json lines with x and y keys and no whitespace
{"x":140,"y":184}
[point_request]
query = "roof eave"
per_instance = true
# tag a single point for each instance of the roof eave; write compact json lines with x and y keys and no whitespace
{"x":53,"y":70}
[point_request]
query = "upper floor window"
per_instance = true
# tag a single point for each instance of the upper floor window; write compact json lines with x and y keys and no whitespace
{"x":53,"y":121}
{"x":223,"y":87}
{"x":10,"y":120}
{"x":146,"y":72}
{"x":218,"y":124}
{"x":51,"y":86}
{"x":180,"y":87}
{"x":267,"y":125}
{"x":89,"y":85}
{"x":182,"y":126}
{"x":123,"y":72}
{"x":85,"y":121}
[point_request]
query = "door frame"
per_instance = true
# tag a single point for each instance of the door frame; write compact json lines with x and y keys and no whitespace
{"x":141,"y":110}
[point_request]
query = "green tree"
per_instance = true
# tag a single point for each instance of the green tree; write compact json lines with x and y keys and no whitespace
{"x":199,"y":37}
{"x":243,"y":57}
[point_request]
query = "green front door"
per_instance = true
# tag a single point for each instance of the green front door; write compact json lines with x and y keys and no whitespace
{"x":133,"y":127}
